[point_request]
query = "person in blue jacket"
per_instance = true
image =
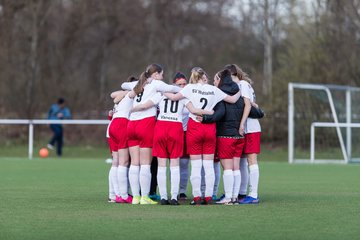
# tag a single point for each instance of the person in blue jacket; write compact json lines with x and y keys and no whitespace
{"x":58,"y":111}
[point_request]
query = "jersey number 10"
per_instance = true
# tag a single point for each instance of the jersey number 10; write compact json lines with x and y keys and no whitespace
{"x":173,"y":106}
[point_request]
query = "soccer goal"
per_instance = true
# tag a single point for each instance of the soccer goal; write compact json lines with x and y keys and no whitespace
{"x":323,"y":123}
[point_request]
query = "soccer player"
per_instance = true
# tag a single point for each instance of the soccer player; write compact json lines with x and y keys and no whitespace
{"x":141,"y":130}
{"x":229,"y":141}
{"x":252,"y":130}
{"x":112,"y":172}
{"x":180,"y":81}
{"x":117,"y":139}
{"x":201,"y":138}
{"x":169,"y":141}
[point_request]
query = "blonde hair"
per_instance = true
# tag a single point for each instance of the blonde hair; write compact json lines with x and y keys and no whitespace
{"x":238,"y":72}
{"x":197,"y":74}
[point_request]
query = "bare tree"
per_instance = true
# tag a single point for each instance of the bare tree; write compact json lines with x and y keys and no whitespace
{"x":270,"y":16}
{"x":40,"y":10}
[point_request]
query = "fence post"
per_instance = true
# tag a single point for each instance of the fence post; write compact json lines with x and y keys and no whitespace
{"x":312,"y":143}
{"x":348,"y":121}
{"x":31,"y":139}
{"x":291,"y":123}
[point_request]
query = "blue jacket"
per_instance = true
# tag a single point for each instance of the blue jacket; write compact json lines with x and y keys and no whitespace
{"x":55,"y":110}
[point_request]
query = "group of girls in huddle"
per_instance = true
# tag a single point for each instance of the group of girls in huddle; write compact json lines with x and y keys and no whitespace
{"x":150,"y":118}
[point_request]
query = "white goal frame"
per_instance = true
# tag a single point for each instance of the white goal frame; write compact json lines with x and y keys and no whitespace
{"x":345,"y":149}
{"x":32,"y":122}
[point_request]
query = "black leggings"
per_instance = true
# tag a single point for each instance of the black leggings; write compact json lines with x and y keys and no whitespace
{"x":57,"y":138}
{"x":154,"y":167}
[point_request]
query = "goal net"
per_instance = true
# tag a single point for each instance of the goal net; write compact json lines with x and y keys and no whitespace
{"x":323,"y":123}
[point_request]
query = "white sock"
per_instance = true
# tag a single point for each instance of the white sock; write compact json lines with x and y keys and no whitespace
{"x":209,"y":177}
{"x":184,"y":174}
{"x":228,"y":178}
{"x":145,"y":179}
{"x":111,"y":187}
{"x":254,"y":180}
{"x":134,"y":180}
{"x":244,"y":176}
{"x":195,"y":177}
{"x":237,"y":182}
{"x":128,"y":181}
{"x":114,"y":180}
{"x":175,"y":180}
{"x":123,"y":181}
{"x":203,"y":184}
{"x":217,"y":177}
{"x":161,"y":180}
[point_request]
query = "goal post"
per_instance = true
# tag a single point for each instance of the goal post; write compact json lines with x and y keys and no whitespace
{"x":347,"y":155}
{"x":328,"y":107}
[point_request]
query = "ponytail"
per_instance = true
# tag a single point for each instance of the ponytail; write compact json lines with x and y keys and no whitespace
{"x":196,"y":75}
{"x":152,"y":68}
{"x":194,"y":78}
{"x":139,"y":87}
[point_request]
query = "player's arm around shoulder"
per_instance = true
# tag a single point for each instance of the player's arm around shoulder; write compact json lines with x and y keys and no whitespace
{"x":197,"y":111}
{"x":118,"y":95}
{"x":129,"y":85}
{"x":143,"y":106}
{"x":233,"y":98}
{"x":154,"y":100}
{"x":219,"y":112}
{"x":160,"y":86}
{"x":174,"y":96}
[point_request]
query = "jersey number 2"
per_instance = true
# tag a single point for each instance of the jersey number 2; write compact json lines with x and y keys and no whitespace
{"x":205,"y":102}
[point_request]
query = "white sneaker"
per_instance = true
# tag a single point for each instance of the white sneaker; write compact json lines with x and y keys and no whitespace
{"x":225,"y":201}
{"x":49,"y":146}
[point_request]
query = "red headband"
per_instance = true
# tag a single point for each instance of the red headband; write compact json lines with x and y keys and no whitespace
{"x":179,"y":79}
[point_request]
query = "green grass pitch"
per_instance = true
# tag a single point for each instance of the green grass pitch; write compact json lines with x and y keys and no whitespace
{"x":66,"y":199}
